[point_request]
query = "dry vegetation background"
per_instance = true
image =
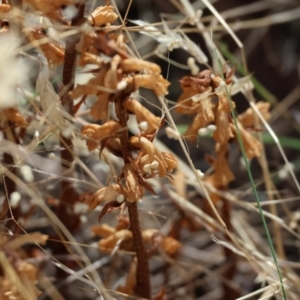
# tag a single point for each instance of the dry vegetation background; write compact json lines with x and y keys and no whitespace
{"x":149,"y":149}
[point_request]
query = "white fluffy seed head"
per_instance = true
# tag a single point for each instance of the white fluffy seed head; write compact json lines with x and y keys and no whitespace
{"x":143,"y":126}
{"x":70,"y":12}
{"x":200,"y":174}
{"x":80,"y":208}
{"x":121,"y":85}
{"x":83,"y":219}
{"x":120,"y":198}
{"x":211,"y":127}
{"x":154,"y":165}
{"x":52,"y":155}
{"x":68,"y":131}
{"x":172,"y":133}
{"x":192,"y":64}
{"x":147,"y":168}
{"x":36,"y":134}
{"x":285,"y":171}
{"x":14,"y":199}
{"x":26,"y":173}
{"x":203,"y":131}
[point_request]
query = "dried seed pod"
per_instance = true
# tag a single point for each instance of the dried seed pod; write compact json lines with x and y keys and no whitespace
{"x":54,"y":52}
{"x":102,"y":15}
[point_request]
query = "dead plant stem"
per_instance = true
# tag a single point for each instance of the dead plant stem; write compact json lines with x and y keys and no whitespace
{"x":143,"y":274}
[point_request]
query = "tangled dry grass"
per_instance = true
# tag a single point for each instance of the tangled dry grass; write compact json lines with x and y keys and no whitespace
{"x":134,"y":154}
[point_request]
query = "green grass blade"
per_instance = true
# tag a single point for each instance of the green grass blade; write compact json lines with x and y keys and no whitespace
{"x":252,"y":183}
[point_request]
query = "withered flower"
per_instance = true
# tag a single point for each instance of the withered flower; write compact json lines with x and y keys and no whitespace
{"x":134,"y":191}
{"x":102,"y":15}
{"x":106,"y":194}
{"x":223,"y":130}
{"x":132,"y":65}
{"x":97,"y":133}
{"x":251,"y":144}
{"x":4,"y":8}
{"x":222,"y":175}
{"x":247,"y":118}
{"x":142,"y":114}
{"x":13,"y":115}
{"x":157,"y":83}
{"x":192,"y":86}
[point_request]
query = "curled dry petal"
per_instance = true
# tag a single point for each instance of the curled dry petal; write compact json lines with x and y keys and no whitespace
{"x":134,"y":191}
{"x":194,"y":86}
{"x":146,"y":145}
{"x":100,"y":110}
{"x":251,"y":144}
{"x":132,"y":65}
{"x":142,"y":114}
{"x":158,"y":84}
{"x":54,"y":52}
{"x":13,"y":115}
{"x":247,"y":119}
{"x":204,"y":116}
{"x":97,"y":133}
{"x":170,"y":245}
{"x":112,"y":77}
{"x":171,"y":161}
{"x":223,"y":130}
{"x":222,"y":175}
{"x":113,"y":145}
{"x":108,"y":244}
{"x":103,"y":230}
{"x":102,"y":15}
{"x":108,"y":193}
{"x":4,"y":8}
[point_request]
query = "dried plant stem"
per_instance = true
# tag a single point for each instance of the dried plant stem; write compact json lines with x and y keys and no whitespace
{"x":143,"y":274}
{"x":68,"y":195}
{"x":9,"y":184}
{"x":67,"y":192}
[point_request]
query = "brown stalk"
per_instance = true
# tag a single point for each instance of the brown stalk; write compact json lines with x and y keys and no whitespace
{"x":9,"y":184}
{"x":143,"y":274}
{"x":68,"y":195}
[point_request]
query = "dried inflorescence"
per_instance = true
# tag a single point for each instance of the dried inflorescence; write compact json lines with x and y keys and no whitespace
{"x":205,"y":96}
{"x":18,"y":275}
{"x":121,"y":237}
{"x":114,"y":80}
